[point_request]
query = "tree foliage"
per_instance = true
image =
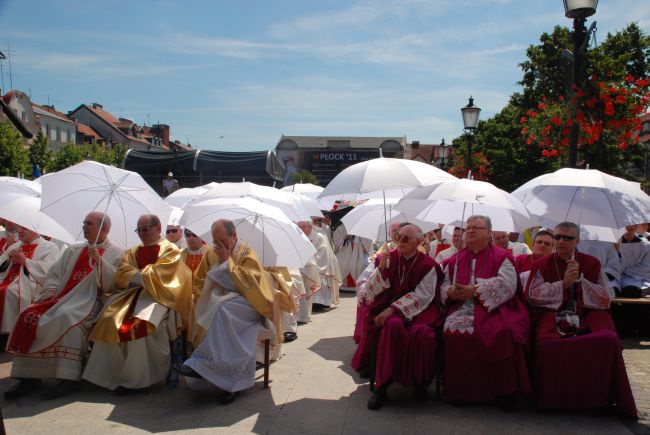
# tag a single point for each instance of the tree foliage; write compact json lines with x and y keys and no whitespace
{"x":38,"y":150}
{"x":72,"y":154}
{"x":610,"y":102}
{"x":14,"y":158}
{"x":303,"y":176}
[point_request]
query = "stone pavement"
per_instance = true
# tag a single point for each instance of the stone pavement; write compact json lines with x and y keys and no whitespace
{"x":313,"y":390}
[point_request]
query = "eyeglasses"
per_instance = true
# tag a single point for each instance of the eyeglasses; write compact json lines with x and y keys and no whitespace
{"x":189,"y":234}
{"x":475,"y":228}
{"x":403,"y":239}
{"x":143,"y":229}
{"x":173,"y":231}
{"x":436,"y":231}
{"x":564,"y":237}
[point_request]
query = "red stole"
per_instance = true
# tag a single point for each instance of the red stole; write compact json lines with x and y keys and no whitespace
{"x":497,"y":331}
{"x":441,"y":247}
{"x":12,"y":273}
{"x":3,"y":242}
{"x":193,"y":260}
{"x":24,"y":332}
{"x":133,"y":328}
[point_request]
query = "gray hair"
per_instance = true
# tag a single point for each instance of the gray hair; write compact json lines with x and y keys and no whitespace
{"x":417,"y":231}
{"x":103,"y":219}
{"x":569,"y":226}
{"x":486,"y":219}
{"x":153,"y":220}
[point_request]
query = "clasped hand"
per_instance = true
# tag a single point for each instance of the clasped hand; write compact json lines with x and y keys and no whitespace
{"x":461,"y":292}
{"x":571,"y":274}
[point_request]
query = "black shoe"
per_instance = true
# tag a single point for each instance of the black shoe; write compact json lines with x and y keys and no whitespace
{"x":187,"y":371}
{"x":61,"y":388}
{"x":24,"y":386}
{"x":420,"y":393}
{"x":290,"y":336}
{"x":377,"y":399}
{"x":228,"y":398}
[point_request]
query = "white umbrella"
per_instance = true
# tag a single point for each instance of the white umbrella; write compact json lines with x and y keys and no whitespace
{"x":310,"y":190}
{"x":268,"y":195}
{"x":182,"y":196}
{"x":276,"y":240}
{"x":383,"y":174}
{"x":20,"y":186}
{"x":327,"y":202}
{"x":307,"y":204}
{"x":72,"y":193}
{"x":25,"y":211}
{"x":368,"y":219}
{"x":586,"y":197}
{"x":452,"y":202}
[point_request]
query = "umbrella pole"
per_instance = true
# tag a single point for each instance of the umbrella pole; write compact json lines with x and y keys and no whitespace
{"x":383,"y":192}
{"x":462,"y":223}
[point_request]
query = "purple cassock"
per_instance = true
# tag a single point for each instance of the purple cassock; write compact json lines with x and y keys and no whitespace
{"x":486,"y":337}
{"x":406,"y":343}
{"x":584,"y":367}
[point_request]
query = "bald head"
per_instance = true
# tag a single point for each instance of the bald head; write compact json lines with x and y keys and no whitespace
{"x":96,"y":226}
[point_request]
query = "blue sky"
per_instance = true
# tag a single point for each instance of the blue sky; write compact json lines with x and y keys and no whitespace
{"x":236,"y":75}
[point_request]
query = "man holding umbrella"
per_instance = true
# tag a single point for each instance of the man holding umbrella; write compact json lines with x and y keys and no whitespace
{"x":487,"y":325}
{"x":578,"y":355}
{"x":49,"y":339}
{"x":402,"y":315}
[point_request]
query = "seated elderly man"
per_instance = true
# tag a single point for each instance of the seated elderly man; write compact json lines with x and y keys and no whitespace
{"x":235,"y":298}
{"x":487,"y":325}
{"x":403,"y":312}
{"x":578,"y":360}
{"x":22,"y":272}
{"x":635,"y":263}
{"x":132,"y":334}
{"x":174,"y":233}
{"x":49,"y":339}
{"x":501,"y":240}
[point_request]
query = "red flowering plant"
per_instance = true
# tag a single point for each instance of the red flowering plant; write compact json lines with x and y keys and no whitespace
{"x":481,"y":168}
{"x":607,"y":113}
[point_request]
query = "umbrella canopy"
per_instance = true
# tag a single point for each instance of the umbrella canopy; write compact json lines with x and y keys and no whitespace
{"x":585,"y":197}
{"x":310,"y":190}
{"x":25,"y":211}
{"x":307,"y":204}
{"x":276,"y":240}
{"x":182,"y":196}
{"x":20,"y":186}
{"x":367,"y":220}
{"x":268,"y":195}
{"x":452,"y":202}
{"x":383,"y":174}
{"x":72,"y":193}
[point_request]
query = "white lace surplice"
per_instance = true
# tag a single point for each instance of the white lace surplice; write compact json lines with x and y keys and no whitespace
{"x":490,"y":292}
{"x":550,"y":295}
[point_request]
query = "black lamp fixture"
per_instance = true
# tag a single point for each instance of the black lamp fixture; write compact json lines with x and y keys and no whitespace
{"x":470,"y":122}
{"x":578,"y":11}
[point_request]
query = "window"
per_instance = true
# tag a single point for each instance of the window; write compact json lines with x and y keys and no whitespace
{"x":58,"y":133}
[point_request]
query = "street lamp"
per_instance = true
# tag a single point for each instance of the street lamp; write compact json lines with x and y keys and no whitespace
{"x":578,"y":10}
{"x":470,"y":122}
{"x":442,"y":152}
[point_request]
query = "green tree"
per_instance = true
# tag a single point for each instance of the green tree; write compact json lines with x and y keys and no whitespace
{"x":39,"y":152}
{"x":303,"y":176}
{"x":70,"y":154}
{"x":14,"y":158}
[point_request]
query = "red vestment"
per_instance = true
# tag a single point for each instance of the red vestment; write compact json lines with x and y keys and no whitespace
{"x":490,"y":361}
{"x":583,"y":371}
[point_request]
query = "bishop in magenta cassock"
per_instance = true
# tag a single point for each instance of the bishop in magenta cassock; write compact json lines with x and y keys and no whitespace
{"x":486,"y":331}
{"x":578,"y":359}
{"x":402,"y":315}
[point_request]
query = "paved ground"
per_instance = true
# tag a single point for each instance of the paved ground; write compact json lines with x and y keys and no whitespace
{"x":313,"y":390}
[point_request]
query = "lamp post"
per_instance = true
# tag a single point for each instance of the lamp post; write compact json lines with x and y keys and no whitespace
{"x":470,"y":122}
{"x":442,"y":154}
{"x":578,"y":10}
